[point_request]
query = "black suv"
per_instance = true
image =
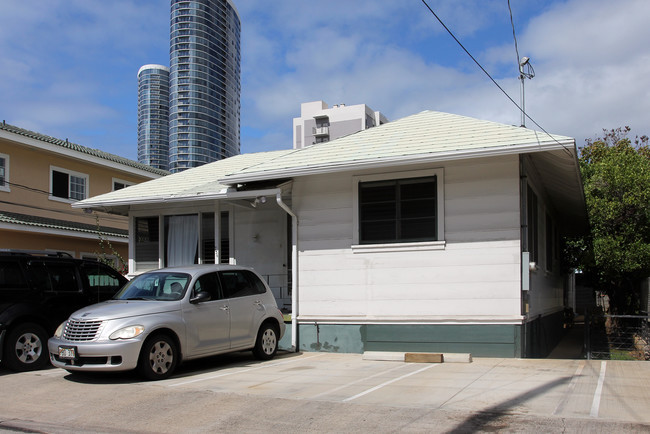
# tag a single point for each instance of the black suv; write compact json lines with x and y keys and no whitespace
{"x":38,"y":291}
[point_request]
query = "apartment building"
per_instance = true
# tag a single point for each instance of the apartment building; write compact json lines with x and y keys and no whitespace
{"x":319,"y":123}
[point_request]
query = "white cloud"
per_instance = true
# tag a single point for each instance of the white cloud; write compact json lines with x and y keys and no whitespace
{"x":592,"y":61}
{"x":68,"y":67}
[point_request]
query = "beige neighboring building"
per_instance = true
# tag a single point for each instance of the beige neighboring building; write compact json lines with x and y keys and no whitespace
{"x":41,"y":176}
{"x":318,"y":123}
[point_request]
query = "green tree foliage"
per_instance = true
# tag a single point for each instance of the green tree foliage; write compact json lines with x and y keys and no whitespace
{"x":616,"y":252}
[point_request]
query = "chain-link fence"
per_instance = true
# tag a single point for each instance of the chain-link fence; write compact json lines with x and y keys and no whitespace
{"x":617,"y":337}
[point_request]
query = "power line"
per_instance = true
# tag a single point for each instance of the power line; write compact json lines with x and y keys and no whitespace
{"x":492,"y":79}
{"x":72,"y":213}
{"x":514,"y":36}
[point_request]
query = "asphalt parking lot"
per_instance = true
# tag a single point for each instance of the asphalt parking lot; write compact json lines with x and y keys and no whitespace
{"x":325,"y":392}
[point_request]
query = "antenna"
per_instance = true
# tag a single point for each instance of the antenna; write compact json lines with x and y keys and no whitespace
{"x":526,"y":71}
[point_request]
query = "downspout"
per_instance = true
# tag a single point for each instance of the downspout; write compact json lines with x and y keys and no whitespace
{"x":294,"y":270}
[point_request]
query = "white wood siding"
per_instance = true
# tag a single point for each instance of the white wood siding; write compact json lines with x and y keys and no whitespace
{"x":475,"y":278}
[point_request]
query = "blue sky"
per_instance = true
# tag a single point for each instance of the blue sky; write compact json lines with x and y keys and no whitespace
{"x":68,"y":68}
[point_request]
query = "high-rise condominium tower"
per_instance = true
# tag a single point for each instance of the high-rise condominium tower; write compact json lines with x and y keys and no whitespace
{"x":153,"y":116}
{"x":204,"y":82}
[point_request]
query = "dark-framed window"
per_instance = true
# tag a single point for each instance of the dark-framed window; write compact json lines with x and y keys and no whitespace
{"x":550,"y":242}
{"x":532,"y":220}
{"x":147,"y":239}
{"x":398,"y":210}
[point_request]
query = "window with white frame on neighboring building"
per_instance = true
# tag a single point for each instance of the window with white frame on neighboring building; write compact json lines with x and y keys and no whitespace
{"x":4,"y":172}
{"x":119,"y":184}
{"x":67,"y":184}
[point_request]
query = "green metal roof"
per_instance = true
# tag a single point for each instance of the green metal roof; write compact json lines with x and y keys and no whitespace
{"x":63,"y":225}
{"x":83,"y":149}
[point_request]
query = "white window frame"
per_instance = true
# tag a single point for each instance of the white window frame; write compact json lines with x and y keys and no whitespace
{"x":121,"y":181}
{"x":70,"y":173}
{"x":400,"y":247}
{"x":6,"y":186}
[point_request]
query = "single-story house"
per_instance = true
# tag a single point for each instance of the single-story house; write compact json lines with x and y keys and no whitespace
{"x":435,"y":232}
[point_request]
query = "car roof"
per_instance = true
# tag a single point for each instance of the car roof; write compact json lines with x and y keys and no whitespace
{"x":195,"y":269}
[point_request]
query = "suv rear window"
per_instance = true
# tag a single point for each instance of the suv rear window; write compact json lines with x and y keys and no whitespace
{"x":100,"y":278}
{"x":11,"y":276}
{"x":64,"y":277}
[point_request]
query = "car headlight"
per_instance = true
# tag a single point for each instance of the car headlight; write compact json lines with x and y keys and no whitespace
{"x":59,"y":330}
{"x":127,"y":332}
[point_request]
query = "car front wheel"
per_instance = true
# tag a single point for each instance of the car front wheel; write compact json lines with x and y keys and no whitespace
{"x":158,"y":357}
{"x":26,"y":348}
{"x":266,"y":344}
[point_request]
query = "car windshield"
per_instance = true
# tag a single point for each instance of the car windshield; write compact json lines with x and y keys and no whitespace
{"x":155,"y":286}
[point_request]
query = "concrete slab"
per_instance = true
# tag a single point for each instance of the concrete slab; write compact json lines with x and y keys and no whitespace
{"x":312,"y":392}
{"x":396,"y":356}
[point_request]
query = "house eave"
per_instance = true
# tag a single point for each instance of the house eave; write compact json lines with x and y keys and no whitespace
{"x":228,"y":194}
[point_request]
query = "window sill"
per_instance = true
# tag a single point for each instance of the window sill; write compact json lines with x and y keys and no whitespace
{"x":64,"y":200}
{"x":399,"y":247}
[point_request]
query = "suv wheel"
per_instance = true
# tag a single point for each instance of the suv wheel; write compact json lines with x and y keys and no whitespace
{"x":266,"y":344}
{"x":158,"y":357}
{"x":26,"y":348}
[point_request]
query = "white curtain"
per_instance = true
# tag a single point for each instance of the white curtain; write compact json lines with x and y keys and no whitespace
{"x":182,"y":239}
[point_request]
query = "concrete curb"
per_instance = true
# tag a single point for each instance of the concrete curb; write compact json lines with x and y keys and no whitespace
{"x":395,"y":356}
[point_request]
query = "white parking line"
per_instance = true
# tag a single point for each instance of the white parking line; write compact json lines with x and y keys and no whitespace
{"x":572,"y":385}
{"x":336,"y":389}
{"x":56,"y":372}
{"x":225,"y":374}
{"x":599,"y":390}
{"x":359,"y":395}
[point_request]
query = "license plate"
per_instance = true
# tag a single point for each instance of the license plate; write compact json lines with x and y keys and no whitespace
{"x":67,"y":352}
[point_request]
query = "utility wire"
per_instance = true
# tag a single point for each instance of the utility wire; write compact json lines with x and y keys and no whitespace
{"x":36,"y":190}
{"x":72,"y":213}
{"x":492,"y":79}
{"x":514,"y":36}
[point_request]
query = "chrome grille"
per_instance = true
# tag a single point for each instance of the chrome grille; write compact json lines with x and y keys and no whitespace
{"x":81,"y":331}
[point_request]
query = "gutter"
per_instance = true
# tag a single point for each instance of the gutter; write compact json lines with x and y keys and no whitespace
{"x":294,"y":270}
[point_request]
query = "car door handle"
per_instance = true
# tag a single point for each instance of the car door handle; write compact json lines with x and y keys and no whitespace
{"x":257,"y":302}
{"x":224,"y":308}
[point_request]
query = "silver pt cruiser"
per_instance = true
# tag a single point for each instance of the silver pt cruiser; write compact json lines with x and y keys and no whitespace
{"x":163,"y":317}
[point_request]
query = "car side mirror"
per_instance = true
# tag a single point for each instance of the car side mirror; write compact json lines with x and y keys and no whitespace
{"x":200,"y":297}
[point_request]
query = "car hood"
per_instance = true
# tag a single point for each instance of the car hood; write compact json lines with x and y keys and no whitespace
{"x":115,"y":309}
